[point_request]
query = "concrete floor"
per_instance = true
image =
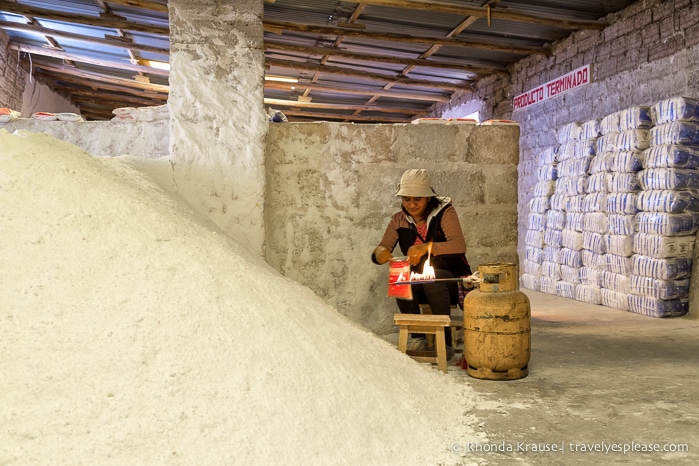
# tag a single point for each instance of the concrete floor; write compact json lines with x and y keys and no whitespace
{"x":596,"y":375}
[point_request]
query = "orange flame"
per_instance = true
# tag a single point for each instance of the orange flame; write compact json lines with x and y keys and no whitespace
{"x":427,"y":270}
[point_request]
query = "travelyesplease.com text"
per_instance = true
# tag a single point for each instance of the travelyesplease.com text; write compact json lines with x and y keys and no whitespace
{"x":568,"y":447}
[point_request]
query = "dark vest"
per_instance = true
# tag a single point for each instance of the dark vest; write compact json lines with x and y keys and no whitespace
{"x":455,"y":263}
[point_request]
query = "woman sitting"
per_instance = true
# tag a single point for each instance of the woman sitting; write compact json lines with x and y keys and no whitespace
{"x":426,"y":225}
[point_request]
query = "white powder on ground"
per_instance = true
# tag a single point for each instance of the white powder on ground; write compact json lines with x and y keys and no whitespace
{"x":132,"y":331}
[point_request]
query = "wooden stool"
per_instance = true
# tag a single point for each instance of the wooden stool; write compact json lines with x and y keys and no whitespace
{"x":456,"y":326}
{"x":429,"y":325}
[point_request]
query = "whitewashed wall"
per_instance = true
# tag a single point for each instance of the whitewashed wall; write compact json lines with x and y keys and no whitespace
{"x":105,"y":138}
{"x":331,"y":191}
{"x":219,"y":122}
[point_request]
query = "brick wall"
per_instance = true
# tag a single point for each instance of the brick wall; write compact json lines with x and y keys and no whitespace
{"x":12,"y":77}
{"x":649,"y":52}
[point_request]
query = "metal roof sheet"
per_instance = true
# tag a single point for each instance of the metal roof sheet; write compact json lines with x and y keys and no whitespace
{"x":372,"y":55}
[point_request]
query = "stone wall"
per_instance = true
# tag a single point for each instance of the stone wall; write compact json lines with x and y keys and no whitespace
{"x":331,"y":191}
{"x":104,"y":138}
{"x":12,"y":77}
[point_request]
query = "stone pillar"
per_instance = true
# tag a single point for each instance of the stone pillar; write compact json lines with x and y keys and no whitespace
{"x":218,"y":120}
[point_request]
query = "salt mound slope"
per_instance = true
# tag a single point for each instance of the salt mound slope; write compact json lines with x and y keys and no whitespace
{"x":135,"y":333}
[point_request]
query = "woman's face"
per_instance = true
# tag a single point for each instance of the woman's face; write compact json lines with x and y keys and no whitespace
{"x":415,"y":205}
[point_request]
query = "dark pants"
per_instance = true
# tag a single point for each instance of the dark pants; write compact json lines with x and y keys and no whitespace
{"x":439,"y":295}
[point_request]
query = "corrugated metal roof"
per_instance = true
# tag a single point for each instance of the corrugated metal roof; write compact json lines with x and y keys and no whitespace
{"x":373,"y":60}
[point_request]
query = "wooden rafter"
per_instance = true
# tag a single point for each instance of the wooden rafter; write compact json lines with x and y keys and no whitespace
{"x":435,"y":47}
{"x":152,"y":6}
{"x":81,"y":59}
{"x":278,"y":27}
{"x":493,"y":13}
{"x":338,"y":40}
{"x":107,"y":11}
{"x":102,"y":21}
{"x":104,"y":79}
{"x":407,"y":82}
{"x":83,"y":38}
{"x":331,"y":52}
{"x":76,"y":85}
{"x":401,"y":95}
{"x":457,"y":30}
{"x":103,"y":106}
{"x":315,"y":115}
{"x":47,"y":37}
{"x":479,"y":12}
{"x":316,"y":105}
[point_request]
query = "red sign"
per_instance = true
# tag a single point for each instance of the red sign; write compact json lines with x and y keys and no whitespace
{"x":573,"y":80}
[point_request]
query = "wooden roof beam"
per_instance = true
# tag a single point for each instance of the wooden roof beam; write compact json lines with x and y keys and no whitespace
{"x":333,"y":106}
{"x":88,"y":39}
{"x":135,"y":60}
{"x":112,"y":103}
{"x":146,"y":5}
{"x":276,"y":26}
{"x":435,"y":47}
{"x":117,"y":83}
{"x":334,"y":116}
{"x":108,"y":22}
{"x":107,"y":64}
{"x":338,"y":40}
{"x":329,"y":52}
{"x":369,"y":76}
{"x":493,"y":13}
{"x":341,"y":90}
{"x":70,"y":86}
{"x":47,"y":37}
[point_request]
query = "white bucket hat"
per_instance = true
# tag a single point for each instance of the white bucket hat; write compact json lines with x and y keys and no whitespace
{"x":415,"y":183}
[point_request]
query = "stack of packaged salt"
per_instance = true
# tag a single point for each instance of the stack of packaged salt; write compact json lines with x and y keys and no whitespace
{"x":668,"y":204}
{"x":592,"y":212}
{"x":539,"y":205}
{"x":567,"y":206}
{"x":625,"y":136}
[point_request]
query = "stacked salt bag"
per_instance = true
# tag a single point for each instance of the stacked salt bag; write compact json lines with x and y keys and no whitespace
{"x":539,"y":205}
{"x":668,"y":204}
{"x":622,"y":156}
{"x":575,"y":156}
{"x":592,"y":203}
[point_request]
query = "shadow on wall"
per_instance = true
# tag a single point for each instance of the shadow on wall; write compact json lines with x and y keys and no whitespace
{"x":39,"y":98}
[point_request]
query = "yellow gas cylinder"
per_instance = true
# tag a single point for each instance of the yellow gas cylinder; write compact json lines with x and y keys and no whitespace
{"x":497,"y":325}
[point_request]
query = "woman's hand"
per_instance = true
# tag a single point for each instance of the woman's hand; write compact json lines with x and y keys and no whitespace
{"x":416,"y":252}
{"x":382,"y":255}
